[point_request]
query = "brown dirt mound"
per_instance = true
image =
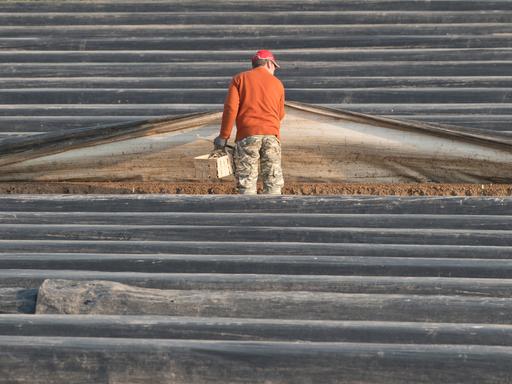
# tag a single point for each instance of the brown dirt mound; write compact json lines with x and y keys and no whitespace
{"x":427,"y":189}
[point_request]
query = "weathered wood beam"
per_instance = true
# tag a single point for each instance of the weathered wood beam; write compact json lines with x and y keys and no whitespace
{"x":110,"y":298}
{"x":484,"y":287}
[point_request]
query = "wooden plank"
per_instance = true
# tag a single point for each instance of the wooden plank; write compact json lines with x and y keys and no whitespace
{"x":367,"y":285}
{"x":197,"y":328}
{"x":110,"y":298}
{"x":263,"y":204}
{"x":84,"y":360}
{"x":262,"y":264}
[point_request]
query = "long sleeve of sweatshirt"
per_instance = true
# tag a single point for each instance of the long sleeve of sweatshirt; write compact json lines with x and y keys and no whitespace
{"x":231,"y":105}
{"x":281,"y":108}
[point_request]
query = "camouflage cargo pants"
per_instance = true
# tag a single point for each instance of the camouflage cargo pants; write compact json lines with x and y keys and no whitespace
{"x":258,"y":151}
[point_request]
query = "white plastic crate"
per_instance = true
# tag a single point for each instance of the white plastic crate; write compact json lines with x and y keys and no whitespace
{"x":213,"y":168}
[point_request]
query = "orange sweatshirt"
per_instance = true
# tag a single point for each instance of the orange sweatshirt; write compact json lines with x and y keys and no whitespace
{"x":256,"y":101}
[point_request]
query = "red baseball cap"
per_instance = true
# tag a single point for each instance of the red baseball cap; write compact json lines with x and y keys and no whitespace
{"x":264,"y":54}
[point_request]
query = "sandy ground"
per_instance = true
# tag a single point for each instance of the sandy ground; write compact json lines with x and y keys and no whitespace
{"x":429,"y":189}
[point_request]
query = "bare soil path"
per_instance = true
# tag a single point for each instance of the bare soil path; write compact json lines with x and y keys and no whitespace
{"x":416,"y":189}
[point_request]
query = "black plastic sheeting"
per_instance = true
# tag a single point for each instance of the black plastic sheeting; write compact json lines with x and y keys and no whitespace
{"x":71,"y":64}
{"x":404,"y":289}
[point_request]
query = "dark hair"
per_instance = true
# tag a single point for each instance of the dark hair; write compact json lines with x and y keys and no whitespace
{"x":259,"y":63}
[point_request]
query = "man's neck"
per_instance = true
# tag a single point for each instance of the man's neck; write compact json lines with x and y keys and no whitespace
{"x":267,"y":69}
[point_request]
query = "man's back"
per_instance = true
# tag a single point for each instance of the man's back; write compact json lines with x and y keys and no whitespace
{"x":256,"y":101}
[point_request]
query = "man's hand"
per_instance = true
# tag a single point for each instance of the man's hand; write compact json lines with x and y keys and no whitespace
{"x":219,"y":143}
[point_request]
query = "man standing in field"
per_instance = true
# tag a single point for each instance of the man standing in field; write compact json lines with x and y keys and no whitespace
{"x":255,"y":101}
